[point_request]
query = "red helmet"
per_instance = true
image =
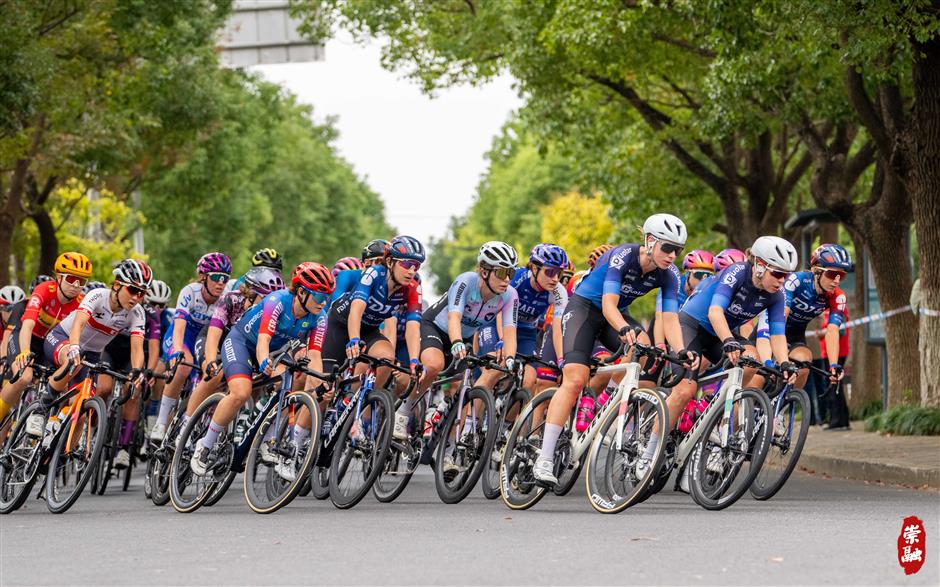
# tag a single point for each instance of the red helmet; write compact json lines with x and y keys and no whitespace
{"x":313,"y":277}
{"x":699,"y":259}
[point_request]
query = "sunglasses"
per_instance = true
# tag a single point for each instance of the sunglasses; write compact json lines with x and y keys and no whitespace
{"x":318,"y":297}
{"x":410,"y":265}
{"x":551,"y":272}
{"x":219,"y":277}
{"x":834,"y":274}
{"x":135,"y":291}
{"x":670,"y":248}
{"x":503,"y":272}
{"x":778,"y":274}
{"x":700,"y":274}
{"x":74,"y":280}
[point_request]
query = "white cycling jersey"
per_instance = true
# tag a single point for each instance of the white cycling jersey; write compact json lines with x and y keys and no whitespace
{"x":193,"y":307}
{"x":103,"y":324}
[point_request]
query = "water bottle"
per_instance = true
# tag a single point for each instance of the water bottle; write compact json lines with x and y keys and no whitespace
{"x":585,"y":413}
{"x":329,"y":420}
{"x":432,"y":418}
{"x":245,"y":415}
{"x":52,"y":426}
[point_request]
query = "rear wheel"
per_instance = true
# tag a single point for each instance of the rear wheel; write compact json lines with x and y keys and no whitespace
{"x":467,"y":440}
{"x":362,"y":448}
{"x":403,"y":458}
{"x":721,"y":474}
{"x":102,"y":474}
{"x":517,"y":486}
{"x":73,"y":460}
{"x":612,"y":483}
{"x":490,"y":478}
{"x":188,"y":492}
{"x":791,"y":425}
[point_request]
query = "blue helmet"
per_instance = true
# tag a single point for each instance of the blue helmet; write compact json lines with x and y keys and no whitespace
{"x":831,"y":256}
{"x":405,"y":247}
{"x":548,"y":255}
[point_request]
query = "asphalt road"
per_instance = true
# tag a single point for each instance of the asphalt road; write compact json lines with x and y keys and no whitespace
{"x":816,"y":531}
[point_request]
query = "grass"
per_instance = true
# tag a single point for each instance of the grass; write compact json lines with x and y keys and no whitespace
{"x":872,"y":408}
{"x":906,"y":421}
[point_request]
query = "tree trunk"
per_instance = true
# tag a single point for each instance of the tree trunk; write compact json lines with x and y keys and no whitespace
{"x":864,"y":362}
{"x":921,"y":159}
{"x":8,"y":224}
{"x":48,"y":241}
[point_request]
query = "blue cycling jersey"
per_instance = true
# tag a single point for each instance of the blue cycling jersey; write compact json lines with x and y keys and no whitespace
{"x":806,"y":304}
{"x":681,"y":296}
{"x":734,"y":291}
{"x":275,"y":317}
{"x":372,"y":288}
{"x":618,"y":271}
{"x":534,"y":303}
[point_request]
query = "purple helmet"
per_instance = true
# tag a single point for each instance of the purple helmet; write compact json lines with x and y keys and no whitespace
{"x":548,"y":255}
{"x":728,"y":257}
{"x":214,"y":263}
{"x":264,"y":280}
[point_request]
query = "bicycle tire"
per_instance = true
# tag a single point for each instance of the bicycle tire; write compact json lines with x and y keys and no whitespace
{"x":320,"y":482}
{"x":763,"y":488}
{"x":606,"y":478}
{"x":180,"y":473}
{"x":381,"y":406}
{"x":220,"y":489}
{"x":401,"y":462}
{"x":285,"y":492}
{"x":718,"y":494}
{"x":99,"y":482}
{"x":489,"y":480}
{"x":517,"y":488}
{"x":472,"y":457}
{"x":14,"y":493}
{"x":92,"y":413}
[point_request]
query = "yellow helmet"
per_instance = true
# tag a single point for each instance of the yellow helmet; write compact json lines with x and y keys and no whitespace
{"x":73,"y":264}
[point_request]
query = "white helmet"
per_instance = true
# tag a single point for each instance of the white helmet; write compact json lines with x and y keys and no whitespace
{"x":775,"y":251}
{"x":159,"y":293}
{"x":11,"y":294}
{"x":498,"y":254}
{"x":666,"y":227}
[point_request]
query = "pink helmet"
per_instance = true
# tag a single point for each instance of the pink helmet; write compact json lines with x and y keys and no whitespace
{"x":699,"y":259}
{"x":728,"y":257}
{"x":214,"y":263}
{"x":345,"y":264}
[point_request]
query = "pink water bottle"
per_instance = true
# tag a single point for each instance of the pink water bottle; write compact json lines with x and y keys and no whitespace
{"x":602,"y":399}
{"x":585,"y":413}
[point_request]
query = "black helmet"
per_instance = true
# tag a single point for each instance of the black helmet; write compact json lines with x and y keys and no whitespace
{"x":375,"y":248}
{"x":268,"y":258}
{"x":39,"y":279}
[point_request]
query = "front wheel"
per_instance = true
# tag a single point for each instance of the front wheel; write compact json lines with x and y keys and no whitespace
{"x":612,"y":482}
{"x":403,"y":458}
{"x":464,"y":447}
{"x":721,"y":474}
{"x":271,"y":486}
{"x":511,"y":411}
{"x":791,"y":425}
{"x":517,"y":485}
{"x":188,"y":492}
{"x":76,"y":455}
{"x":360,"y":453}
{"x":19,"y":465}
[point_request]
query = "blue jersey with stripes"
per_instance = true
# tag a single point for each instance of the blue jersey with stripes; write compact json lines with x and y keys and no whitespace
{"x":618,"y":271}
{"x":381,"y":304}
{"x":533,"y":303}
{"x":734,"y":291}
{"x":806,"y":303}
{"x":681,"y":296}
{"x":274,"y":316}
{"x":465,"y":297}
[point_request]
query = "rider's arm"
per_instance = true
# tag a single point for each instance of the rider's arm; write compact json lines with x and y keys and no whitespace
{"x":153,"y":353}
{"x":413,"y":338}
{"x":81,"y":319}
{"x":831,"y":341}
{"x":455,"y":300}
{"x":213,"y":337}
{"x":262,"y":350}
{"x":179,"y":331}
{"x":510,"y":316}
{"x":777,"y":324}
{"x":672,"y":330}
{"x":612,"y":312}
{"x":659,"y":335}
{"x":137,"y":351}
{"x":390,"y":329}
{"x":354,"y":322}
{"x":26,"y":334}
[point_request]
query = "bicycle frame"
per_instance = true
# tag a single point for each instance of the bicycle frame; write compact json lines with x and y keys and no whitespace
{"x":723,"y":399}
{"x":277,"y":402}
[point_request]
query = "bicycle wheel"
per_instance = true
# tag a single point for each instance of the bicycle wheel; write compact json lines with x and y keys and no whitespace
{"x":188,"y":492}
{"x":403,"y":458}
{"x":219,"y":490}
{"x":611,"y":481}
{"x":320,"y":482}
{"x":266,"y":489}
{"x":790,"y":429}
{"x":72,"y":466}
{"x":99,"y":481}
{"x":720,"y":475}
{"x":517,"y":486}
{"x":19,"y":465}
{"x":665,"y":469}
{"x":466,"y":441}
{"x":360,"y":453}
{"x":490,"y":477}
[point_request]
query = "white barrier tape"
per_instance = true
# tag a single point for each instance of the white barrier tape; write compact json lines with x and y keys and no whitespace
{"x":876,"y":317}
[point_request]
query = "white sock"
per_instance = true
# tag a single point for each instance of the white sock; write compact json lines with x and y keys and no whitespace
{"x":166,"y":406}
{"x":549,"y":440}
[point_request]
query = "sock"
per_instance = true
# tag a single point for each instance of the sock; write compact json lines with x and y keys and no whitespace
{"x":301,"y":435}
{"x":4,"y":409}
{"x":166,"y":406}
{"x":549,"y":440}
{"x":127,"y":431}
{"x":651,"y":446}
{"x":407,"y":406}
{"x":212,"y":434}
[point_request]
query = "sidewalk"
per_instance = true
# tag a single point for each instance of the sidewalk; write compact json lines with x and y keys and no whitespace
{"x":855,"y":454}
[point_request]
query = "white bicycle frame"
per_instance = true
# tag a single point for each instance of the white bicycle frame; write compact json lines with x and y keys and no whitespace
{"x":724,"y":399}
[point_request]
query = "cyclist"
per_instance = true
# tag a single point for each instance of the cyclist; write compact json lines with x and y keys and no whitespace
{"x":49,"y":303}
{"x":347,"y":264}
{"x":259,"y":282}
{"x":11,"y":297}
{"x":598,"y":310}
{"x":697,"y":266}
{"x":266,"y":257}
{"x":13,"y":317}
{"x":809,"y":294}
{"x":538,"y":288}
{"x":373,"y":252}
{"x":194,"y":307}
{"x":103,"y":314}
{"x":739,"y":293}
{"x":155,"y":307}
{"x":282,"y":315}
{"x":447,"y":327}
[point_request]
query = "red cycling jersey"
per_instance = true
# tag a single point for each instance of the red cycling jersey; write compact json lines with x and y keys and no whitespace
{"x":45,"y":310}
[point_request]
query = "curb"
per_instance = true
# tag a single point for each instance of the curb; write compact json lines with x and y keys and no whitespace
{"x":868,"y":471}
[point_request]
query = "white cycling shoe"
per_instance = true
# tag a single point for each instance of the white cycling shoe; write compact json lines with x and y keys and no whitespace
{"x":544,"y":471}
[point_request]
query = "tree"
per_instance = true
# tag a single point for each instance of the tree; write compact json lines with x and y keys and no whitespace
{"x":577,"y":223}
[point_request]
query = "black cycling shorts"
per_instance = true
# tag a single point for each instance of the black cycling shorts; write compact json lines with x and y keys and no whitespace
{"x":337,"y":337}
{"x":35,"y":347}
{"x":582,"y":325}
{"x":117,"y":353}
{"x":433,"y":337}
{"x":703,"y":342}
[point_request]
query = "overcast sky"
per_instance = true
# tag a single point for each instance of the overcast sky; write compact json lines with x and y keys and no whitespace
{"x":423,"y":156}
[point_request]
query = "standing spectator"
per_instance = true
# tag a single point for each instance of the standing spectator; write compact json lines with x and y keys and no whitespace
{"x":837,"y":407}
